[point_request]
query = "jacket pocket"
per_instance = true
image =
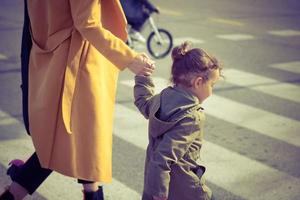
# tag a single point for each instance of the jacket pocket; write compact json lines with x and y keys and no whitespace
{"x":199,"y":171}
{"x":197,"y":174}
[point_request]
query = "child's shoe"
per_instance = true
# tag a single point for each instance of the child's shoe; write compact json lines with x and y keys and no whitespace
{"x":98,"y":195}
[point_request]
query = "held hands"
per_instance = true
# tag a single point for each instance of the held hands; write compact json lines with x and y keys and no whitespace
{"x":142,"y":65}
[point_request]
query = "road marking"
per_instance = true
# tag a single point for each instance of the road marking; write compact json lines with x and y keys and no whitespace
{"x":139,"y":46}
{"x":263,"y":84}
{"x":179,"y":41}
{"x":3,"y":57}
{"x":246,"y":177}
{"x":117,"y":190}
{"x":243,"y":176}
{"x":263,"y":122}
{"x":170,"y":12}
{"x":226,"y":21}
{"x":285,"y":33}
{"x":236,"y":37}
{"x":22,"y":148}
{"x":5,"y":119}
{"x":260,"y":121}
{"x":288,"y":66}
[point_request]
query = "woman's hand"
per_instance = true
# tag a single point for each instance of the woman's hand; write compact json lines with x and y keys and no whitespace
{"x":142,"y":65}
{"x":159,"y":198}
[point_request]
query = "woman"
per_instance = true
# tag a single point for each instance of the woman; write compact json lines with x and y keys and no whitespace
{"x":77,"y":51}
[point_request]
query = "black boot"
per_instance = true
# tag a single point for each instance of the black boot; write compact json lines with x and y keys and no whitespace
{"x":6,"y":196}
{"x":98,"y":195}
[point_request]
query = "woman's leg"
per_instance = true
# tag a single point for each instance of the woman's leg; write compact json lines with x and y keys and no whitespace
{"x":28,"y":177}
{"x":91,"y":190}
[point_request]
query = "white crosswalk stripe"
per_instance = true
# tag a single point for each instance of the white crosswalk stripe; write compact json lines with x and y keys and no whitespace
{"x":263,"y":84}
{"x":288,"y":66}
{"x":236,"y":37}
{"x":179,"y":41}
{"x":3,"y":57}
{"x":5,"y":119}
{"x":285,"y":33}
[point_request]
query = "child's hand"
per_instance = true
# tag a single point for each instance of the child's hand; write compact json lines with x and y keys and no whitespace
{"x":142,"y":65}
{"x":147,"y":72}
{"x":149,"y":69}
{"x":159,"y":198}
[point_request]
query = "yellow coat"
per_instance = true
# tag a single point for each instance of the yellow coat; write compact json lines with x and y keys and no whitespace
{"x":77,"y":52}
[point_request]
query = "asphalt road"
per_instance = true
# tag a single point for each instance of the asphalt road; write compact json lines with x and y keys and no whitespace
{"x":252,"y":147}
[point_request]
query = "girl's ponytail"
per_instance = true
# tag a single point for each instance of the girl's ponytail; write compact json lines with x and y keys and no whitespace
{"x":179,"y":51}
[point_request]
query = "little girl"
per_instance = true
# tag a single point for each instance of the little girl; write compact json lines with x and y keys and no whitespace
{"x":176,"y":119}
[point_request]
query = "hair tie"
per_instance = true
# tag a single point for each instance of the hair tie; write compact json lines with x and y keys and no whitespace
{"x":185,"y":47}
{"x":183,"y":51}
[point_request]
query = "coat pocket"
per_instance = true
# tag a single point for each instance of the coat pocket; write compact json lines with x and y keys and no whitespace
{"x":199,"y":171}
{"x":187,"y":183}
{"x":197,"y":174}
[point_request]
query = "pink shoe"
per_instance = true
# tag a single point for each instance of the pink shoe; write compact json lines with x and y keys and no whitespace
{"x":16,"y":162}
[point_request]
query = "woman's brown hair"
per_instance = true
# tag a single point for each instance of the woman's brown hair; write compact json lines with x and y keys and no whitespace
{"x":188,"y":63}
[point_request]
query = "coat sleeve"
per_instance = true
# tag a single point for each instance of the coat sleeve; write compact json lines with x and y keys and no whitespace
{"x":173,"y":146}
{"x":86,"y":16}
{"x":143,"y":94}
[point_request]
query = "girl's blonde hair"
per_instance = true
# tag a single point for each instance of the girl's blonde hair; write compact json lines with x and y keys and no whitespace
{"x":188,"y":63}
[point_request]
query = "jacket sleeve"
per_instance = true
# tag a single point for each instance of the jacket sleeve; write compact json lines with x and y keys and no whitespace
{"x":143,"y":94}
{"x":86,"y":15}
{"x":173,"y":146}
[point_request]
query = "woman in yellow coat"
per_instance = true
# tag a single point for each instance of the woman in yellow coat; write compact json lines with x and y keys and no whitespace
{"x":77,"y":51}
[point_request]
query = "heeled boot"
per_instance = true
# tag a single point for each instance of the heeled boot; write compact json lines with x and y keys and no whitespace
{"x":98,"y":195}
{"x":6,"y":195}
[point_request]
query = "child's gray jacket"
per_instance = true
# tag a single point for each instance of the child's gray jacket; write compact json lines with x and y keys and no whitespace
{"x":172,"y":167}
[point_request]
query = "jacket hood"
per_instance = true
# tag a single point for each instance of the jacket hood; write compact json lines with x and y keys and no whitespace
{"x":172,"y":105}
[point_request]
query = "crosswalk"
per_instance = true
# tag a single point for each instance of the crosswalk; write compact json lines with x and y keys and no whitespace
{"x":231,"y":171}
{"x":238,"y":174}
